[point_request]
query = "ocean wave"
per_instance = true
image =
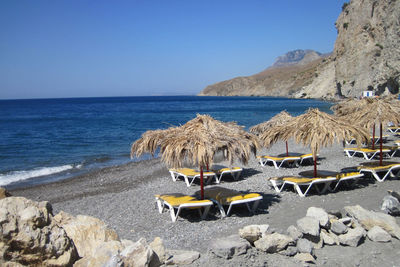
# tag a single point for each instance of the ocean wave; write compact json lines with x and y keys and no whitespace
{"x":16,"y":176}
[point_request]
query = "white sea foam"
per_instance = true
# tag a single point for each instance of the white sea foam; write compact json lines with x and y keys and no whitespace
{"x":23,"y":175}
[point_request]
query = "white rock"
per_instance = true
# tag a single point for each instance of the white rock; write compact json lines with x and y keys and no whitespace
{"x":369,"y":219}
{"x":229,"y":246}
{"x":329,"y":238}
{"x":377,"y":234}
{"x":308,"y":225}
{"x":305,"y":257}
{"x":320,"y":214}
{"x":182,"y":257}
{"x":294,"y":232}
{"x":253,"y":232}
{"x":352,"y":237}
{"x":273,"y":242}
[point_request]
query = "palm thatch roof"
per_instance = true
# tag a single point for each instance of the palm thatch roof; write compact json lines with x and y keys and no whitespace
{"x":316,"y":129}
{"x":278,"y":119}
{"x":370,"y":111}
{"x":197,"y":142}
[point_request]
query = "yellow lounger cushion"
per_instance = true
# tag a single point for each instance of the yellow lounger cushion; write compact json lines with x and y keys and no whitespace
{"x":278,"y":158}
{"x":175,"y":201}
{"x":346,"y":174}
{"x":299,"y":180}
{"x":190,"y":172}
{"x":377,"y":167}
{"x":227,"y":169}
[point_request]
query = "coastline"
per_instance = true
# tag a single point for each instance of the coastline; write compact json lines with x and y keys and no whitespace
{"x":123,"y":197}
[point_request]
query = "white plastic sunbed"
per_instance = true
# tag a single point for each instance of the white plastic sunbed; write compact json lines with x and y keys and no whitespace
{"x":302,"y":182}
{"x":229,"y":197}
{"x":222,"y":171}
{"x":378,"y":171}
{"x":189,"y":175}
{"x":368,"y":153}
{"x":279,"y":161}
{"x":349,"y":178}
{"x":178,"y":202}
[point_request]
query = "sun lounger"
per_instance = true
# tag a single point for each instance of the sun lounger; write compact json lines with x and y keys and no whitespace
{"x":368,"y":153}
{"x":394,"y":129}
{"x":228,"y":197}
{"x":376,"y":139}
{"x":306,"y":157}
{"x":349,"y":178}
{"x":279,"y":161}
{"x":298,"y":182}
{"x":380,"y":173}
{"x":189,"y":175}
{"x":178,"y":202}
{"x":222,"y":171}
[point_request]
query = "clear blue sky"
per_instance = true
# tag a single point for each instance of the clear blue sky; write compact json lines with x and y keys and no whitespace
{"x":80,"y":48}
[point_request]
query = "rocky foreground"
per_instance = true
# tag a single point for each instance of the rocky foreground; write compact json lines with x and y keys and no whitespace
{"x":31,"y":235}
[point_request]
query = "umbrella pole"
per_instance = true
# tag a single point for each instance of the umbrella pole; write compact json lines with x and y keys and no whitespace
{"x":201,"y":183}
{"x":287,"y":150}
{"x":315,"y":165}
{"x":380,"y":142}
{"x":373,"y":137}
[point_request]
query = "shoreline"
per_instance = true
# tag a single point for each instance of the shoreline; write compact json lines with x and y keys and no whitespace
{"x":123,"y":197}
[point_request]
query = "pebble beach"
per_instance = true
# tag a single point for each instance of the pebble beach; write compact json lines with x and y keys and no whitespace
{"x":123,"y":197}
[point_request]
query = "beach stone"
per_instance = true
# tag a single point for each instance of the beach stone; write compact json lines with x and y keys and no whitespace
{"x":4,"y":193}
{"x":352,"y":237}
{"x":294,"y":232}
{"x":346,"y":221}
{"x":273,"y":242}
{"x":139,"y":255}
{"x":86,"y":232}
{"x":329,"y":238}
{"x":304,"y":246}
{"x":182,"y":257}
{"x":29,"y":235}
{"x":320,"y":214}
{"x":290,"y":251}
{"x":391,"y":205}
{"x":338,"y":227}
{"x":369,"y":219}
{"x":253,"y":232}
{"x":158,"y":247}
{"x":230,"y":246}
{"x":377,"y":234}
{"x":106,"y":254}
{"x":308,"y":225}
{"x":304,"y":257}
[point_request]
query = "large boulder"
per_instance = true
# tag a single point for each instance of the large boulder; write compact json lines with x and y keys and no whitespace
{"x":273,"y":242}
{"x":377,"y":234}
{"x":369,"y":219}
{"x":30,"y":236}
{"x":308,"y":225}
{"x":253,"y":232}
{"x":88,"y":233}
{"x":182,"y":257}
{"x":139,"y":255}
{"x":353,"y":237}
{"x":320,"y":214}
{"x":230,"y":246}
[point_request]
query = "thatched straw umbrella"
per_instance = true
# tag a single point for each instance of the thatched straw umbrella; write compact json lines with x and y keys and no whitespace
{"x":197,"y":142}
{"x":277,"y":120}
{"x":371,"y":111}
{"x":316,"y":129}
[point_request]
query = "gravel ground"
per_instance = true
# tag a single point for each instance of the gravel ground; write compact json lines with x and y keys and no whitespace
{"x":123,"y":197}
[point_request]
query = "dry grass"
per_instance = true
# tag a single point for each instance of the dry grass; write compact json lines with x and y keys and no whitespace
{"x":277,"y":120}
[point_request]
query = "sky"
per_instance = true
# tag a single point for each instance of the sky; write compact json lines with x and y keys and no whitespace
{"x":93,"y":48}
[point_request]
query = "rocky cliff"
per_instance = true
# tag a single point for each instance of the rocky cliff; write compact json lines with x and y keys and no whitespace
{"x":366,"y":56}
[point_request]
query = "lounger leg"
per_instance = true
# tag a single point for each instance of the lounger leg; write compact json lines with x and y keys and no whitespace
{"x":205,"y":212}
{"x":262,"y":162}
{"x":229,"y":210}
{"x":276,"y":165}
{"x":326,"y":187}
{"x":173,"y":215}
{"x":255,"y":206}
{"x":187,"y":181}
{"x":276,"y":187}
{"x":160,"y":205}
{"x":298,"y":189}
{"x":221,"y":209}
{"x":173,"y":176}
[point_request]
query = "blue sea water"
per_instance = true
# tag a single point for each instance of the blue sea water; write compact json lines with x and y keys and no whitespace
{"x":44,"y":140}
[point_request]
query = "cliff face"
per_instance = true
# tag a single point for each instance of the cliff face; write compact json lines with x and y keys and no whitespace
{"x":366,"y":56}
{"x":367,"y":49}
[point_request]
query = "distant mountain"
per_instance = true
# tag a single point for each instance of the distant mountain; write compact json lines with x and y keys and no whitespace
{"x":285,"y":77}
{"x":295,"y":57}
{"x":366,"y":56}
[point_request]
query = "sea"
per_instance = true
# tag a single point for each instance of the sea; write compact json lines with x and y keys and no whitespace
{"x":47,"y":140}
